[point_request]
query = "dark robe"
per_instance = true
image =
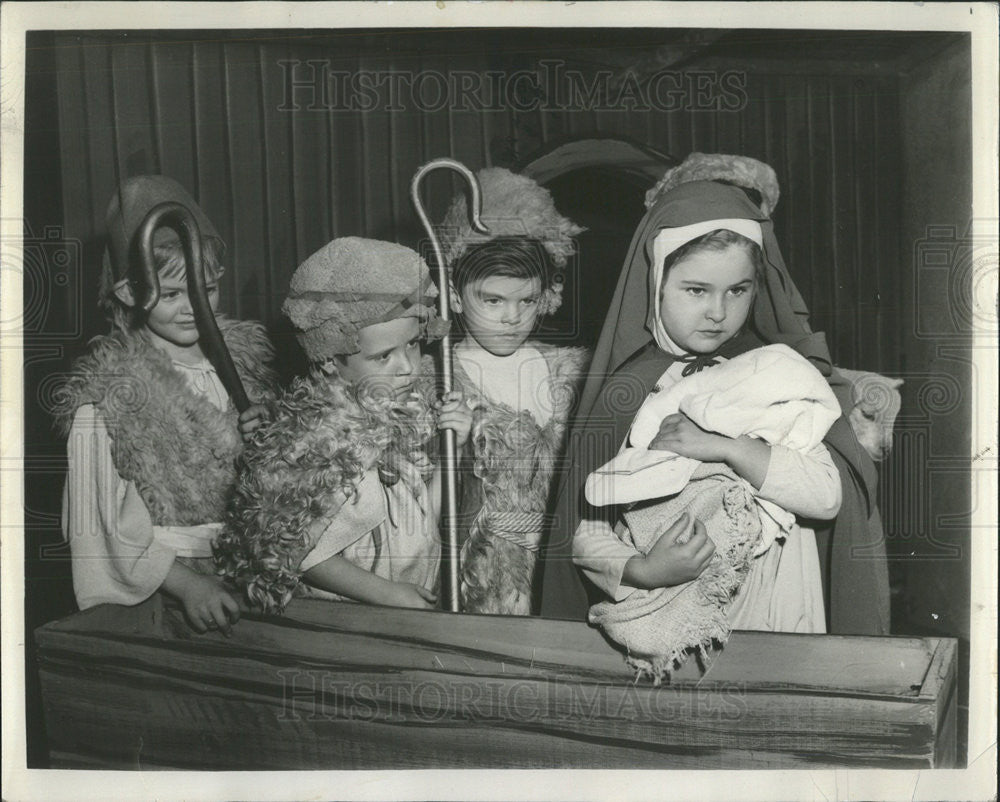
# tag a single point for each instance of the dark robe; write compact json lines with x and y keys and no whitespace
{"x":851,"y":548}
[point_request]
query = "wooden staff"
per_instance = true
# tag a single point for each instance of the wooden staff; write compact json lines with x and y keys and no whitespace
{"x":179,"y":217}
{"x":449,"y":466}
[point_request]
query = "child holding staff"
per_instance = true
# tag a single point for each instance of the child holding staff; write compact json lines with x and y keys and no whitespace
{"x":339,"y":497}
{"x":522,"y":391}
{"x":153,"y":435}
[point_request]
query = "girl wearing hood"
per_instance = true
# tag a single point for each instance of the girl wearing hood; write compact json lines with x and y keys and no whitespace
{"x":152,"y":433}
{"x":684,"y":231}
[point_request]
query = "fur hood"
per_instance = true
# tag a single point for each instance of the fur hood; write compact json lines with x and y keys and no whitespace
{"x":739,"y":170}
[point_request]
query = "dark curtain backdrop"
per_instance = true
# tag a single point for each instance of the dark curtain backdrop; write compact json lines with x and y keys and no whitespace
{"x":279,"y":183}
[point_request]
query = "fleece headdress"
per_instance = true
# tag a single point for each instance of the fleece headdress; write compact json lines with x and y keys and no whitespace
{"x":739,"y":170}
{"x":351,"y":283}
{"x":513,"y":206}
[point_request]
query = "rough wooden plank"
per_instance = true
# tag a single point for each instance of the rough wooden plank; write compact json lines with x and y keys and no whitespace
{"x":347,"y":686}
{"x":941,"y":684}
{"x":431,"y":719}
{"x":317,"y":630}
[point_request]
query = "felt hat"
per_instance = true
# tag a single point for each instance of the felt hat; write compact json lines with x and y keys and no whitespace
{"x":351,"y":283}
{"x":134,"y":198}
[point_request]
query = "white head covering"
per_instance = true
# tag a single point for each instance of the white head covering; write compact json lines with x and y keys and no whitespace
{"x":669,"y":240}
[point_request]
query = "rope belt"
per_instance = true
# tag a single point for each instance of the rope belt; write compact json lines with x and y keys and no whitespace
{"x":524,"y":529}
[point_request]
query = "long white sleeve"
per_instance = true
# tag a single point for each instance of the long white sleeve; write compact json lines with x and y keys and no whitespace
{"x":601,"y":555}
{"x":115,"y":556}
{"x":803,"y":483}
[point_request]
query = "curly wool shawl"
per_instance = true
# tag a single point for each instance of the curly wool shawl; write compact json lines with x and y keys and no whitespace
{"x":175,"y":446}
{"x":513,"y":460}
{"x":298,"y":471}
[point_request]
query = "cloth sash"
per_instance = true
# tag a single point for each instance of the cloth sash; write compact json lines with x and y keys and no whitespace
{"x":188,"y":541}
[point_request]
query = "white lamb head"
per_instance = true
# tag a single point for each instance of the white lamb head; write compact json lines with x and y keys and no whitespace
{"x":876,"y":403}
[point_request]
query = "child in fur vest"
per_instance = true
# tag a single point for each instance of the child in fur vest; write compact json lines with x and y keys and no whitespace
{"x":338,"y":497}
{"x":522,"y":390}
{"x":152,"y":434}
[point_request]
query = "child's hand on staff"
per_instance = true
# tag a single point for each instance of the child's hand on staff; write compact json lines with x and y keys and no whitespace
{"x":678,"y":433}
{"x":406,"y":594}
{"x":454,"y":414}
{"x":682,"y":552}
{"x":252,"y":418}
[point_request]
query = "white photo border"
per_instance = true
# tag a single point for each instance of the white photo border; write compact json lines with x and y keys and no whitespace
{"x":976,"y":782}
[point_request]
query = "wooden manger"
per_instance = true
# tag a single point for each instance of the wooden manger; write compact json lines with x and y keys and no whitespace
{"x":334,"y":686}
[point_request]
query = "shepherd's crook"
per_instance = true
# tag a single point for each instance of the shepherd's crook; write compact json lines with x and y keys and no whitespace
{"x":179,"y":217}
{"x":450,"y":461}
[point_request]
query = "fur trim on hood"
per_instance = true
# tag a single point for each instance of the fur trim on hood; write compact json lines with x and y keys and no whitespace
{"x":739,"y":170}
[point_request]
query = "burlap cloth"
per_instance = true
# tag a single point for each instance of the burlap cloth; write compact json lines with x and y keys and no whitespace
{"x":661,"y":628}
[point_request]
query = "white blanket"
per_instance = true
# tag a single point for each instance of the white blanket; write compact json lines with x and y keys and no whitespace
{"x":771,"y":393}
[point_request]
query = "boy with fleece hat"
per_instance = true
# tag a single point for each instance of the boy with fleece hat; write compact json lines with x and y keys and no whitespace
{"x":338,"y":497}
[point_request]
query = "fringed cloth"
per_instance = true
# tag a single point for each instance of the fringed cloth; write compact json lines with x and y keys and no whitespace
{"x":660,"y":628}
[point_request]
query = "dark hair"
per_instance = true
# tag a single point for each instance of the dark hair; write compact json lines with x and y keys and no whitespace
{"x":516,"y":257}
{"x":170,"y":263}
{"x":718,"y":240}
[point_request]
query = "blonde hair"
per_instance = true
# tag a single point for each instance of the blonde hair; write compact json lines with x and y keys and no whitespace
{"x":170,"y":263}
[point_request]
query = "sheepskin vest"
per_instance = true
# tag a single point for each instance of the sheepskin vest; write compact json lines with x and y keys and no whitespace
{"x":175,"y":446}
{"x":513,"y":458}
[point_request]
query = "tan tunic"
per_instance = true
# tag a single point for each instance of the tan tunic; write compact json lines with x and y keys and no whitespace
{"x":386,"y":531}
{"x":119,"y":556}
